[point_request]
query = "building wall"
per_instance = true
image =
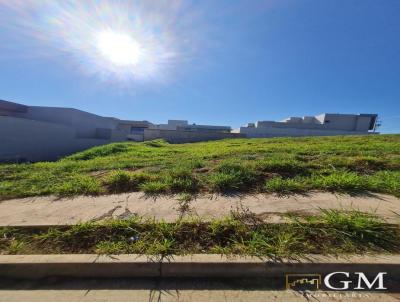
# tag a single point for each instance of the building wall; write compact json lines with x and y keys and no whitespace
{"x":183,"y":125}
{"x":187,"y":136}
{"x":85,"y":123}
{"x":172,"y":125}
{"x":204,"y":128}
{"x":363,"y":123}
{"x":31,"y":140}
{"x":345,"y":122}
{"x":266,"y":125}
{"x":286,"y":131}
{"x":348,"y":122}
{"x":324,"y":124}
{"x":39,"y":141}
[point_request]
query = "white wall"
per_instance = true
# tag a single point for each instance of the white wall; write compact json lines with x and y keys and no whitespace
{"x":283,"y":132}
{"x":327,"y":122}
{"x":187,"y":136}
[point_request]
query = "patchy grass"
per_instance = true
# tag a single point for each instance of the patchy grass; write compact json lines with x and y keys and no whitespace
{"x":331,"y":232}
{"x":342,"y":181}
{"x":79,"y":184}
{"x":286,"y":186}
{"x":123,"y":181}
{"x":350,"y":164}
{"x":231,"y":176}
{"x":154,"y":187}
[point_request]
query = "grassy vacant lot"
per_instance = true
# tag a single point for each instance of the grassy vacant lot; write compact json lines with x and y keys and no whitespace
{"x":330,"y":232}
{"x":353,"y":164}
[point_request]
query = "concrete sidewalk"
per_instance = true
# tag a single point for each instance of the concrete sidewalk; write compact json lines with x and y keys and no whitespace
{"x":51,"y":210}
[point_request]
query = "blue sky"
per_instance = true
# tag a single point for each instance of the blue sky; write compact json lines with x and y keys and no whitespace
{"x":216,"y":62}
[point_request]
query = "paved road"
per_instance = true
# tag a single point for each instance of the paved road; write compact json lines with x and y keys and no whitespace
{"x":196,"y":290}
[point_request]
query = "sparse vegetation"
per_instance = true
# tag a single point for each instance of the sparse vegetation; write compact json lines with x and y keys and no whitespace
{"x":350,"y":164}
{"x":240,"y":233}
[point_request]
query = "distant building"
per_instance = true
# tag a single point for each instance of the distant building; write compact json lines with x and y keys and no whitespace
{"x":320,"y":125}
{"x":184,"y":126}
{"x":36,"y":133}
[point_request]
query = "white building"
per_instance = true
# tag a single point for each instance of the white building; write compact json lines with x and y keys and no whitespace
{"x":320,"y":125}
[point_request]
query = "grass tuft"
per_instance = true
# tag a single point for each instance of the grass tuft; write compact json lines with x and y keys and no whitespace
{"x":154,"y":187}
{"x":79,"y":184}
{"x":286,"y":186}
{"x":123,"y":181}
{"x":340,"y":182}
{"x":231,"y":176}
{"x":330,"y":232}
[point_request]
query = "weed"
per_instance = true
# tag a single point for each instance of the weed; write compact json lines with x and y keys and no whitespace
{"x":111,"y":247}
{"x":184,"y":203}
{"x":331,"y":231}
{"x":185,"y":197}
{"x":15,"y":246}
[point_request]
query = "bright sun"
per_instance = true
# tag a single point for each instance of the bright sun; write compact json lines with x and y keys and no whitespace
{"x":119,"y":48}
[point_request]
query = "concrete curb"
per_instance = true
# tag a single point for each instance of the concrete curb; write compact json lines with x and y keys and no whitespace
{"x":117,"y":266}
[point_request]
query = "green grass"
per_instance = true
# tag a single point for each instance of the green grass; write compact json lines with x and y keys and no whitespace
{"x":286,"y":186}
{"x":231,"y":176}
{"x":123,"y":181}
{"x":331,"y":232}
{"x":349,"y":164}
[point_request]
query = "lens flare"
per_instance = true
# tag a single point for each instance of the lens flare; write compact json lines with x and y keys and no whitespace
{"x":119,"y":48}
{"x":117,"y":41}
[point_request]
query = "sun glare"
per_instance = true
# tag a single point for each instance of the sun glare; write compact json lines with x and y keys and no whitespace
{"x":120,"y":42}
{"x":118,"y":48}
